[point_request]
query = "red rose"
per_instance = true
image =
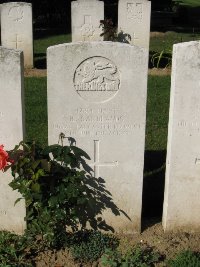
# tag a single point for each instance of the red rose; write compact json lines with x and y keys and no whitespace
{"x":4,"y":158}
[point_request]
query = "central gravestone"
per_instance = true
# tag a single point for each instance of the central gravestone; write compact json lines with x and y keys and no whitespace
{"x":86,"y":16}
{"x":97,"y":95}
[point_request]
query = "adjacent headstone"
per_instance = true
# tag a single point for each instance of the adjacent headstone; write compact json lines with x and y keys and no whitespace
{"x":86,"y":16}
{"x":16,"y":29}
{"x":134,"y":19}
{"x":0,"y":24}
{"x":97,"y":95}
{"x":182,"y":185}
{"x":11,"y":133}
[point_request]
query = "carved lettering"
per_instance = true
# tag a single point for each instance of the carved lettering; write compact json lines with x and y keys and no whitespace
{"x":97,"y":79}
{"x":135,"y":11}
{"x":3,"y":212}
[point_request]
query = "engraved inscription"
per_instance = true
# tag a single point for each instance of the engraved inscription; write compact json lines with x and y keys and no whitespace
{"x":16,"y":13}
{"x":97,"y":122}
{"x":87,"y":29}
{"x":97,"y":164}
{"x":97,"y":79}
{"x":135,"y":11}
{"x":190,"y":125}
{"x":1,"y":114}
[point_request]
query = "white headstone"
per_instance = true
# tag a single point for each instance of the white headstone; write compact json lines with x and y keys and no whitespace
{"x":0,"y":24}
{"x":11,"y":133}
{"x":134,"y":19}
{"x":97,"y":95}
{"x":182,"y":185}
{"x":86,"y":16}
{"x":17,"y":30}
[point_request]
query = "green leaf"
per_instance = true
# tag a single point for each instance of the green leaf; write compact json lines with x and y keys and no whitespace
{"x":78,"y":151}
{"x":35,"y":164}
{"x":16,"y":201}
{"x":35,"y":188}
{"x":52,"y":149}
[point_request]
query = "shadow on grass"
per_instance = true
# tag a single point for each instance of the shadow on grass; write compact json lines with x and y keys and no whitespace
{"x":40,"y":61}
{"x":153,"y":187}
{"x":40,"y":33}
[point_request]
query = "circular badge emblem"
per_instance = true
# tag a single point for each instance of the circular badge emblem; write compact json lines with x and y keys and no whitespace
{"x":16,"y":13}
{"x":97,"y":79}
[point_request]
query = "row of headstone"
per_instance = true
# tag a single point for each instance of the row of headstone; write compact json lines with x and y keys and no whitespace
{"x":133,"y":20}
{"x":17,"y":29}
{"x":97,"y":94}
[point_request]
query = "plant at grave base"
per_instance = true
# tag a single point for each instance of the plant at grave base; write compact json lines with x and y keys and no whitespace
{"x":89,"y":246}
{"x":185,"y":259}
{"x":14,"y":250}
{"x":163,"y":58}
{"x":60,"y":192}
{"x":110,"y":32}
{"x":138,"y":257}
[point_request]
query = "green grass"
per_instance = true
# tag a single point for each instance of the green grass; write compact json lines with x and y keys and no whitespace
{"x":157,"y":112}
{"x":192,"y":3}
{"x":41,"y":45}
{"x":36,"y":109}
{"x":166,"y":41}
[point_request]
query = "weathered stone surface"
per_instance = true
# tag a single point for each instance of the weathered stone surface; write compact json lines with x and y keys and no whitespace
{"x":134,"y":19}
{"x":11,"y":133}
{"x":97,"y":95}
{"x":86,"y":16}
{"x":182,"y":185}
{"x":0,"y":24}
{"x":16,"y":29}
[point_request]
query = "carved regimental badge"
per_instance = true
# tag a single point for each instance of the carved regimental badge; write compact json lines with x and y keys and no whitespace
{"x":97,"y":79}
{"x":16,"y":13}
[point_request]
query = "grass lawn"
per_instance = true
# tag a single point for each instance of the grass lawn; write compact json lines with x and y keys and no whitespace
{"x":36,"y":109}
{"x":167,"y":40}
{"x":41,"y":45}
{"x":192,"y":3}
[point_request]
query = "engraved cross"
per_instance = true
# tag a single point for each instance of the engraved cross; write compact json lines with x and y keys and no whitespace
{"x":97,"y":164}
{"x":134,"y":37}
{"x":16,"y":41}
{"x":1,"y":55}
{"x":197,"y":161}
